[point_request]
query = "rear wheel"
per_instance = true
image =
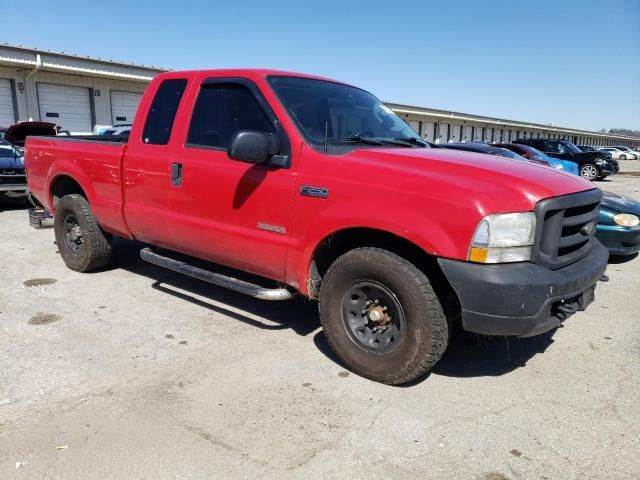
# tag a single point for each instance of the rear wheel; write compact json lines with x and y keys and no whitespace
{"x":623,"y":157}
{"x":81,"y":242}
{"x":381,"y":316}
{"x":589,"y":171}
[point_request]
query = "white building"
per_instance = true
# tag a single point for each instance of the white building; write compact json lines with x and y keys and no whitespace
{"x":81,"y":94}
{"x":84,"y":94}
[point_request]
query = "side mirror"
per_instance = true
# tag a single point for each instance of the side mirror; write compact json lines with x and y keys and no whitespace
{"x":252,"y":147}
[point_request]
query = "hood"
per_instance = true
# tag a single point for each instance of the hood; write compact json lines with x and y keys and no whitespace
{"x":17,"y":133}
{"x":592,"y":155}
{"x":620,"y":203}
{"x":495,"y":184}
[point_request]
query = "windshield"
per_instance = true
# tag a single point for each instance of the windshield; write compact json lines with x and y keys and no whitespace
{"x":571,"y":147}
{"x":538,"y":155}
{"x":341,"y":113}
{"x":503,"y":152}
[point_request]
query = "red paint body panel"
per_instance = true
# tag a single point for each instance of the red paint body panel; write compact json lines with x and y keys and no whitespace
{"x":95,"y":166}
{"x":431,"y":197}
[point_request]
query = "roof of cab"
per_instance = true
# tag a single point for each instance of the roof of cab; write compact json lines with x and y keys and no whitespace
{"x":250,"y":73}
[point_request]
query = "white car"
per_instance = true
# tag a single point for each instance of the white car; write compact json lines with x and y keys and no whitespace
{"x":618,"y":154}
{"x":630,"y":151}
{"x":117,"y":130}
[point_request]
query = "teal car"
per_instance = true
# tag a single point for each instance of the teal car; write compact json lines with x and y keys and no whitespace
{"x":618,"y":226}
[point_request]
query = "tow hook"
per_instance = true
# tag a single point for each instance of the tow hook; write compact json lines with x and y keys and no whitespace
{"x":604,"y":278}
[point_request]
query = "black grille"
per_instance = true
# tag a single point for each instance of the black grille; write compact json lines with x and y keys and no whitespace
{"x":565,"y":228}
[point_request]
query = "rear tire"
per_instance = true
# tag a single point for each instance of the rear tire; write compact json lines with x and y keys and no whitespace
{"x":623,"y":157}
{"x":81,"y":242}
{"x":413,"y":333}
{"x":589,"y":171}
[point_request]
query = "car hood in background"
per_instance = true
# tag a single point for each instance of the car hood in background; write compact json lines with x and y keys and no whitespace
{"x":620,"y":203}
{"x":18,"y":132}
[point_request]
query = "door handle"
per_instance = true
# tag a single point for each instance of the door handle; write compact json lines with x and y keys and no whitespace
{"x":176,"y":174}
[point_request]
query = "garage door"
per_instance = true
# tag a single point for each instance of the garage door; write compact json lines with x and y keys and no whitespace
{"x":414,"y":124}
{"x":124,"y":106}
{"x":7,"y":112}
{"x":466,"y":136}
{"x":428,"y":132}
{"x":443,"y":133}
{"x":65,"y":105}
{"x":477,"y":134}
{"x":455,"y":134}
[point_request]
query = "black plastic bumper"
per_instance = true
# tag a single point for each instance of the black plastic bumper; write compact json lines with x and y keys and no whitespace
{"x":605,"y":170}
{"x":523,"y":299}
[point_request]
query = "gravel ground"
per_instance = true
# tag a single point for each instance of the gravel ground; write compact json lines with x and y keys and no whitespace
{"x":137,"y":373}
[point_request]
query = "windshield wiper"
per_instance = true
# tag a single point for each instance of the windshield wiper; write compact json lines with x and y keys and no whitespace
{"x":402,"y":141}
{"x":412,"y":141}
{"x":356,"y":138}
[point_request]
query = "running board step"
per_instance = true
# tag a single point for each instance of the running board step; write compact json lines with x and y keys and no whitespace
{"x":217,"y":279}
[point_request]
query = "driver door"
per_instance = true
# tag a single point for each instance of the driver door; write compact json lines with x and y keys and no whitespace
{"x":223,"y":210}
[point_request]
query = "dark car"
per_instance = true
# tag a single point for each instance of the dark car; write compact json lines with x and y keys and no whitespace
{"x":485,"y":148}
{"x":587,"y":148}
{"x":533,"y":154}
{"x":619,"y":224}
{"x":13,"y":181}
{"x":592,"y":165}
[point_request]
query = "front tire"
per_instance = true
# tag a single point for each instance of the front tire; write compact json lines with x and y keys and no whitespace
{"x":381,"y":316}
{"x":81,"y":242}
{"x":589,"y":171}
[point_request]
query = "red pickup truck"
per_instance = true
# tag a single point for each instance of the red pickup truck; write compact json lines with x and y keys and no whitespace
{"x":316,"y":187}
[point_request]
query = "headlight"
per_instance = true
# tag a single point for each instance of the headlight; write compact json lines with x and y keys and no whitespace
{"x":626,"y":220}
{"x":503,"y":238}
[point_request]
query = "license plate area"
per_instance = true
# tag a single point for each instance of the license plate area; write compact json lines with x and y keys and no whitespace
{"x":567,"y":307}
{"x":586,"y":298}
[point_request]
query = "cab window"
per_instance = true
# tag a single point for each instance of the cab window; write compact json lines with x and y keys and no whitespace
{"x":159,"y":123}
{"x":223,"y":109}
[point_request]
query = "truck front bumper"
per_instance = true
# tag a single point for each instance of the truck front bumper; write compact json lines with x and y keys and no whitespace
{"x":523,"y":299}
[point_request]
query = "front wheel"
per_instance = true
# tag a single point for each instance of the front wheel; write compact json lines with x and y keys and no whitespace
{"x":381,"y":316}
{"x":589,"y":171}
{"x":80,"y":240}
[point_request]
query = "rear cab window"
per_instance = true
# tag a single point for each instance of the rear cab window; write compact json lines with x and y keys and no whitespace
{"x":162,"y":113}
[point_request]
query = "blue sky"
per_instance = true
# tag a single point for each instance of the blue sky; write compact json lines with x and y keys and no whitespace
{"x":568,"y":62}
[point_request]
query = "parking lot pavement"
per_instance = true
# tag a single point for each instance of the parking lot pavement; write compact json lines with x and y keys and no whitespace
{"x":136,"y":372}
{"x":629,"y":166}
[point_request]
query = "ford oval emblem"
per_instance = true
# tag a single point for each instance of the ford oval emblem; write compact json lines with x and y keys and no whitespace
{"x":588,"y":229}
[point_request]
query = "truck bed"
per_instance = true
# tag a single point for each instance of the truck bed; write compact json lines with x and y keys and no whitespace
{"x":94,"y":162}
{"x":93,"y":138}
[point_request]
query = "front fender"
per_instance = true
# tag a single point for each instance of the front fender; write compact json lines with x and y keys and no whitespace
{"x":411,"y":224}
